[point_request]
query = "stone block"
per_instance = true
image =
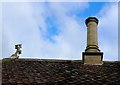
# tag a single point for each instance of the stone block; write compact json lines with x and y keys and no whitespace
{"x":93,"y":58}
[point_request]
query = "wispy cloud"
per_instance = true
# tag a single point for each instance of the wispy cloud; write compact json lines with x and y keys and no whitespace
{"x":59,"y":1}
{"x":108,"y":29}
{"x":29,"y":25}
{"x":55,"y":30}
{"x":1,"y":30}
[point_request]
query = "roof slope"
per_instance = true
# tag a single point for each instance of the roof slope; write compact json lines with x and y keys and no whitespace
{"x":59,"y":72}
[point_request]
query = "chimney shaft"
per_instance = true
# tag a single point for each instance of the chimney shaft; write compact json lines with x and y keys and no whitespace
{"x":92,"y":54}
{"x":92,"y":36}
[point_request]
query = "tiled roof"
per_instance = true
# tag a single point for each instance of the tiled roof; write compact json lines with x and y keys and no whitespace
{"x":59,"y":72}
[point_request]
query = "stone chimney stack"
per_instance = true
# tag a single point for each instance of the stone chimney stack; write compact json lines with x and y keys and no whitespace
{"x":92,"y":54}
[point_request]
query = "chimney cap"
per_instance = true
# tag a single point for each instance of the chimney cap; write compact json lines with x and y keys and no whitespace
{"x":91,"y":19}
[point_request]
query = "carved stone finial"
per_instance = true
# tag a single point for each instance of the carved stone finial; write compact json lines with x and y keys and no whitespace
{"x":17,"y":52}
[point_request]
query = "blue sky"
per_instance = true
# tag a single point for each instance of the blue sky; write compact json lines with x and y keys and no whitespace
{"x":56,"y":30}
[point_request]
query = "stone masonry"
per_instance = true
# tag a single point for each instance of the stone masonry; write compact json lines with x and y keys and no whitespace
{"x":92,"y":54}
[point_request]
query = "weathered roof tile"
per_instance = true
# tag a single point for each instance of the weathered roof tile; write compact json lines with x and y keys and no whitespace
{"x":58,"y":72}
